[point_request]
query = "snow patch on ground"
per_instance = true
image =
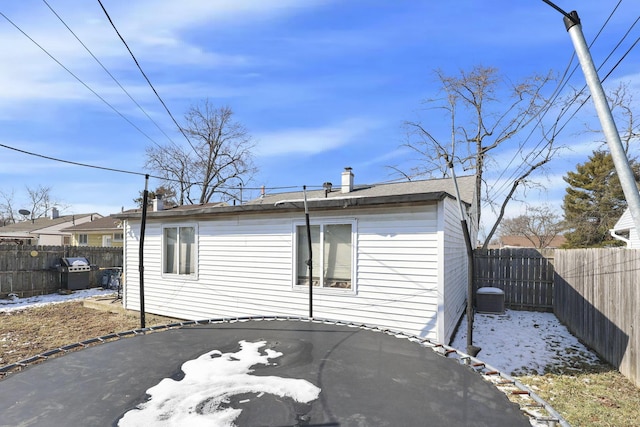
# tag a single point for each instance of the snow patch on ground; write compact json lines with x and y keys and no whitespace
{"x":202,"y":397}
{"x":16,"y":303}
{"x":525,"y":342}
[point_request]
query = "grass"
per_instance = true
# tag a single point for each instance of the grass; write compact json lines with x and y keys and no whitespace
{"x":585,"y":395}
{"x":32,"y":331}
{"x":594,"y":396}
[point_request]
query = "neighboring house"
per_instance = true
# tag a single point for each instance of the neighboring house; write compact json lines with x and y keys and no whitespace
{"x":45,"y":231}
{"x":105,"y":231}
{"x":626,"y":231}
{"x":523,"y":242}
{"x":391,"y":255}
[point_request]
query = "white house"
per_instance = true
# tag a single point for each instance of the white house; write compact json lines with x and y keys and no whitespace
{"x":391,"y":255}
{"x":626,"y":231}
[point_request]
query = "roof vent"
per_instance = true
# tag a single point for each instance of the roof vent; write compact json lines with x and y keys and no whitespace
{"x":347,"y":180}
{"x":327,"y":188}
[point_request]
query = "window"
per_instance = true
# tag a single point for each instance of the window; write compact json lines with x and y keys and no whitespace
{"x":179,"y":244}
{"x":83,"y":239}
{"x":331,"y":246}
{"x":118,"y":237}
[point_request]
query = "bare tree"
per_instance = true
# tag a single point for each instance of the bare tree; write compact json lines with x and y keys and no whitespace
{"x":539,"y":225}
{"x":621,"y":102}
{"x":40,"y":201}
{"x":494,"y":111}
{"x":7,"y":211}
{"x":217,"y":159}
{"x":173,"y":163}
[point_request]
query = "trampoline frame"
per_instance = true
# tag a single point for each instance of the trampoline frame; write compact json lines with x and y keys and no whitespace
{"x":532,"y":405}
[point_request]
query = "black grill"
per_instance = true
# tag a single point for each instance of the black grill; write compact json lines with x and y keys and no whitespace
{"x":75,"y":272}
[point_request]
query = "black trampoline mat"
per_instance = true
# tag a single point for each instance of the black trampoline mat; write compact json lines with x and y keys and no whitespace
{"x":364,"y":377}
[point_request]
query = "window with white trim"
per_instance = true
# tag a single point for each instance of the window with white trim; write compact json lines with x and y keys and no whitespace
{"x":118,"y":237}
{"x":83,"y":239}
{"x":332,"y":251}
{"x":179,"y":250}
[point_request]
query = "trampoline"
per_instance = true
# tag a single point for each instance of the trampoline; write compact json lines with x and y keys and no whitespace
{"x":271,"y":372}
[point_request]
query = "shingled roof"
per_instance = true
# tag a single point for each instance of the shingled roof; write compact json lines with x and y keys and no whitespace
{"x":106,"y":223}
{"x":387,"y":194}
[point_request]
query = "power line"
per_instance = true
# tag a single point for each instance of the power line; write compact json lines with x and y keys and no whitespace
{"x":104,"y":168}
{"x":506,"y":183}
{"x":145,"y":76}
{"x":42,"y":156}
{"x":107,"y":71}
{"x":557,"y":93}
{"x":76,"y":77}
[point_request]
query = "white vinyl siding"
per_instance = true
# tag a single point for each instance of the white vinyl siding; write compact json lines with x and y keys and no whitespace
{"x":247,"y":264}
{"x":455,"y":262}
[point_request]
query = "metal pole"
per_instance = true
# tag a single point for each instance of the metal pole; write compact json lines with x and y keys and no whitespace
{"x":310,"y":260}
{"x":471,"y":349}
{"x":620,"y":160}
{"x":143,"y":224}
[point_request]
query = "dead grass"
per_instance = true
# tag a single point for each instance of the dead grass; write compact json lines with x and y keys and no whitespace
{"x":32,"y":331}
{"x":596,"y":396}
{"x":589,"y":395}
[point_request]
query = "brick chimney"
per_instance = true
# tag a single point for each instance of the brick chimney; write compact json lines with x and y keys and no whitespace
{"x":347,"y":180}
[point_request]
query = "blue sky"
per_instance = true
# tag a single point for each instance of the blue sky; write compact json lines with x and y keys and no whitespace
{"x":319,"y":84}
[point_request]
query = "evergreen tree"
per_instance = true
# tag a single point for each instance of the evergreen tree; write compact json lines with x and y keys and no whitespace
{"x":594,"y":201}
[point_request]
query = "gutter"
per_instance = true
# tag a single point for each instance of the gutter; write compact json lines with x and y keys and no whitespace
{"x":619,"y":237}
{"x":294,"y":205}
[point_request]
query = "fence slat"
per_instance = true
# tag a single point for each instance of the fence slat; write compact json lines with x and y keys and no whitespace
{"x":597,"y":298}
{"x":525,"y":276}
{"x":31,"y":270}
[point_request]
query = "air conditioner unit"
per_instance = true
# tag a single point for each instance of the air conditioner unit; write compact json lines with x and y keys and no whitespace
{"x":490,"y":300}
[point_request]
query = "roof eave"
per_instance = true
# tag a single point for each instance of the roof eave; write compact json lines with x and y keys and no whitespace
{"x":295,"y":206}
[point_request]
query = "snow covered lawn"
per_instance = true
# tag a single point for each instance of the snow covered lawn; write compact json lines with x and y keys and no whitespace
{"x":525,"y":342}
{"x":40,"y":300}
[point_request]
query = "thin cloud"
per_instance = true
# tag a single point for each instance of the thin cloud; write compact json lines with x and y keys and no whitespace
{"x":310,"y":141}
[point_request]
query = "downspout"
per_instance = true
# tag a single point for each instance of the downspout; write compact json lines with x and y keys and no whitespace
{"x":471,"y":349}
{"x":619,"y":237}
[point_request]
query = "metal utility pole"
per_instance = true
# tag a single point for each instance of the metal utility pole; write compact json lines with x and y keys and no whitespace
{"x":620,"y":160}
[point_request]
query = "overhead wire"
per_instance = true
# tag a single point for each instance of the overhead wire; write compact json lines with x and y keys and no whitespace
{"x":104,"y":168}
{"x":76,"y":77}
{"x":108,"y":72}
{"x":563,"y":82}
{"x":575,"y":99}
{"x":145,"y":76}
{"x":561,"y":85}
{"x":124,"y":171}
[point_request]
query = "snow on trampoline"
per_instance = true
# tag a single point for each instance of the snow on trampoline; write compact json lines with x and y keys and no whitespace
{"x":202,"y":397}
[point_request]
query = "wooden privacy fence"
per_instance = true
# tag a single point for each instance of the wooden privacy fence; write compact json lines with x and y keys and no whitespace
{"x":525,"y":275}
{"x":31,"y":270}
{"x":598,"y":299}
